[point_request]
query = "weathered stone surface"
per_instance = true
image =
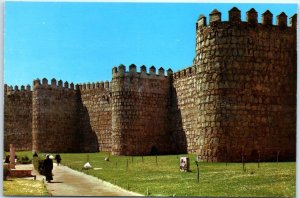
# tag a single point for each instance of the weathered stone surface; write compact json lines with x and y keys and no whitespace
{"x":54,"y":112}
{"x":95,"y":118}
{"x":18,"y":119}
{"x":237,"y":99}
{"x":252,"y":98}
{"x":140,"y":122}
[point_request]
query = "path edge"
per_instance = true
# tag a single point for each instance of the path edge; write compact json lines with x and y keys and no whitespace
{"x":108,"y":183}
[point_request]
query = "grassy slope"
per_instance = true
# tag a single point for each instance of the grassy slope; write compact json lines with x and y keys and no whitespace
{"x":216,"y":179}
{"x":23,"y":187}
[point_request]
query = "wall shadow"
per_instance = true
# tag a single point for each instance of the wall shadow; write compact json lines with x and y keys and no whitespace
{"x":178,"y":136}
{"x":86,"y":139}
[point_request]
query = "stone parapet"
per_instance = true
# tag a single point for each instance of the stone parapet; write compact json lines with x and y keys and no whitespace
{"x":184,"y":73}
{"x":60,"y":85}
{"x":121,"y":71}
{"x":251,"y":19}
{"x":10,"y":89}
{"x":102,"y":86}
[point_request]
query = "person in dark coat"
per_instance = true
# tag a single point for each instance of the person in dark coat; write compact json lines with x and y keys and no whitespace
{"x":57,"y":158}
{"x":48,"y":166}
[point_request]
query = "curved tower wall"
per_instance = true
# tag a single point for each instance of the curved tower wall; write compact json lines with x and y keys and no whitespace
{"x":140,"y":111}
{"x":54,"y":117}
{"x":246,"y":87}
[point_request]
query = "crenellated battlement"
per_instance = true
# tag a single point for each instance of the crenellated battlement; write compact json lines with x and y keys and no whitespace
{"x":234,"y":16}
{"x":239,"y":40}
{"x":15,"y":89}
{"x":120,"y":71}
{"x":237,"y":99}
{"x":102,"y":86}
{"x":53,"y":84}
{"x":184,"y":73}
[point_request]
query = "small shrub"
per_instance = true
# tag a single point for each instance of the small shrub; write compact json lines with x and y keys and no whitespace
{"x":25,"y":160}
{"x":38,"y":164}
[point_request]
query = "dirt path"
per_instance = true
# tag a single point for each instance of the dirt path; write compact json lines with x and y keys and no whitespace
{"x":68,"y":182}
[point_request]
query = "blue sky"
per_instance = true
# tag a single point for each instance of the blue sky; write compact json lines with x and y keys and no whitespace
{"x":81,"y":42}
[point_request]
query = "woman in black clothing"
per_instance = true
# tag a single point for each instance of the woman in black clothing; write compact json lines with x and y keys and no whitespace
{"x":48,"y":166}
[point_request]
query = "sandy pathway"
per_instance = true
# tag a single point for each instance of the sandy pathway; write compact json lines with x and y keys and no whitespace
{"x":68,"y":182}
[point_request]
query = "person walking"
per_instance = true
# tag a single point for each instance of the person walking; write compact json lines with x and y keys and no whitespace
{"x":58,"y":159}
{"x":48,"y":166}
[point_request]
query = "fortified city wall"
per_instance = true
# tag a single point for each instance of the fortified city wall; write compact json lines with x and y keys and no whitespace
{"x":246,"y":74}
{"x":238,"y":99}
{"x":95,"y":116}
{"x":64,"y":119}
{"x":140,"y":122}
{"x":185,"y":118}
{"x":18,"y":117}
{"x":55,"y":117}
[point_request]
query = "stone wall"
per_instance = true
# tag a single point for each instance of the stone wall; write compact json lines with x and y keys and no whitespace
{"x":247,"y":87}
{"x":185,"y":118}
{"x":54,"y":126}
{"x":17,"y":117}
{"x":95,"y":116}
{"x":238,"y":99}
{"x":140,"y":124}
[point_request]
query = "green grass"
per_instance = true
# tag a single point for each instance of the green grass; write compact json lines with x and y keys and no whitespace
{"x":24,"y":187}
{"x":216,"y":179}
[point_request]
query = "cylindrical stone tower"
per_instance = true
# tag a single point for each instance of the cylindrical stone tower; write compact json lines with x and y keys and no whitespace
{"x":140,"y":112}
{"x":246,"y":86}
{"x":54,"y":117}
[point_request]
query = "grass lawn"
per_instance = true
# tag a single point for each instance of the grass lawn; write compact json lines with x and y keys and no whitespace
{"x":24,"y":187}
{"x":165,"y":179}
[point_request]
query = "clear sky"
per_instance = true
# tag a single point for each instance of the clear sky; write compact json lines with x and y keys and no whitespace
{"x":81,"y":42}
